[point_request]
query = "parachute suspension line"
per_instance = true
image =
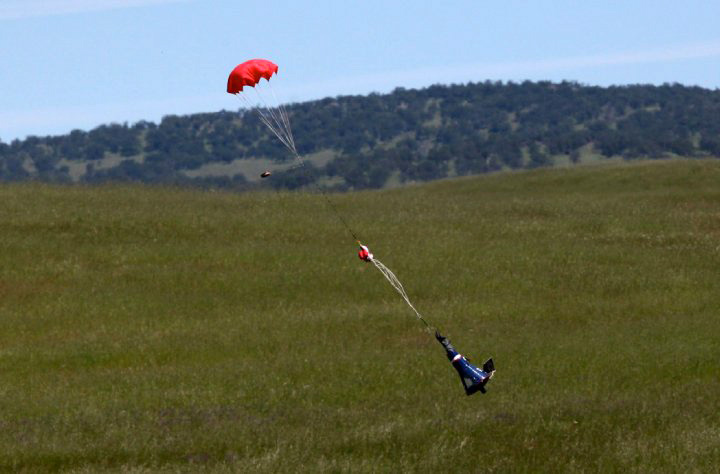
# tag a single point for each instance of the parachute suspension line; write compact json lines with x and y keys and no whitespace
{"x":283,"y":115}
{"x":262,"y":111}
{"x":275,"y":115}
{"x":278,"y":117}
{"x":390,"y":276}
{"x":278,"y":121}
{"x":324,"y":194}
{"x":270,"y":119}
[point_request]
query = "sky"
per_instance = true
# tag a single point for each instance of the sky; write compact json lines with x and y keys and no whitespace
{"x":78,"y":64}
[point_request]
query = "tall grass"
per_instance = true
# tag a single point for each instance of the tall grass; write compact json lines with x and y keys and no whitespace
{"x":150,"y":329}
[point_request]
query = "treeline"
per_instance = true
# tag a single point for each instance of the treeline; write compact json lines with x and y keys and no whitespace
{"x":407,"y":135}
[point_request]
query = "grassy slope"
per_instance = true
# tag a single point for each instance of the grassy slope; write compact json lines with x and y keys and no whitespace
{"x":164,"y":329}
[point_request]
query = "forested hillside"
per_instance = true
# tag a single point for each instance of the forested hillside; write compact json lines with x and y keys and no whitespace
{"x":356,"y":142}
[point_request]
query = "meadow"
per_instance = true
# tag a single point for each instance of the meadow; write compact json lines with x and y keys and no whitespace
{"x":168,"y":330}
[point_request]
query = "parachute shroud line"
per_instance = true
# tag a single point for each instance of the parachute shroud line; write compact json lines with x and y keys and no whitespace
{"x":395,"y":282}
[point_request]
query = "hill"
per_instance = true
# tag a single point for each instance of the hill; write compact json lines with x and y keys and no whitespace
{"x":375,"y":141}
{"x":166,"y":330}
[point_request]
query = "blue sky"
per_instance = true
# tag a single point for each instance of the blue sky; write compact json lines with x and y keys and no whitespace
{"x":67,"y":64}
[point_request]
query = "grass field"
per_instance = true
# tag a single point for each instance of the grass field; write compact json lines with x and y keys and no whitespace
{"x":163,"y":330}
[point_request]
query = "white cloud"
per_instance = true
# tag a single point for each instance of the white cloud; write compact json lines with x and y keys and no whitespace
{"x":14,"y":9}
{"x":19,"y":123}
{"x":668,"y":54}
{"x":517,"y":70}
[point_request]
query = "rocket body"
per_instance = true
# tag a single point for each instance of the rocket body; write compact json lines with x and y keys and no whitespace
{"x":472,"y":378}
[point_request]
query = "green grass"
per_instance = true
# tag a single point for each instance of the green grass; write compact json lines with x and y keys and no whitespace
{"x":162,"y":330}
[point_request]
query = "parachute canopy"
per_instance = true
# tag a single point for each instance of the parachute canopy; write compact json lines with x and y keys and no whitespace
{"x":249,"y":73}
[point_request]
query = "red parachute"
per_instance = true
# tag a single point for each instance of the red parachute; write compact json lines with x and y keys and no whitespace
{"x":263,"y":99}
{"x":249,"y":73}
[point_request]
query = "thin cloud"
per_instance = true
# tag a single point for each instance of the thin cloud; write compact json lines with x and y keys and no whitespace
{"x":60,"y":120}
{"x":668,"y":54}
{"x":16,"y":9}
{"x":516,"y":70}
